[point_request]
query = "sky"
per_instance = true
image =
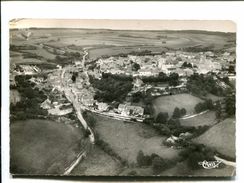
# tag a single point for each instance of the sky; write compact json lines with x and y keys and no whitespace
{"x":208,"y":25}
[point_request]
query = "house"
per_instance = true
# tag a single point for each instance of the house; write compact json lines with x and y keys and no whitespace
{"x":172,"y":139}
{"x":102,"y":106}
{"x":185,"y":135}
{"x":29,"y":70}
{"x":161,"y":63}
{"x":130,"y":110}
{"x":188,"y":72}
{"x":87,"y":100}
{"x":59,"y":51}
{"x":137,"y":82}
{"x":78,"y":63}
{"x":12,"y":80}
{"x":46,"y":104}
{"x":148,"y":72}
{"x":116,"y":71}
{"x":180,"y":72}
{"x":58,"y":112}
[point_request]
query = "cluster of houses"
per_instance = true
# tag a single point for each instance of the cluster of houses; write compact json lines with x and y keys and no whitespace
{"x":130,"y":110}
{"x":170,"y":62}
{"x":151,"y":65}
{"x":54,"y":108}
{"x":54,"y":79}
{"x":27,"y":69}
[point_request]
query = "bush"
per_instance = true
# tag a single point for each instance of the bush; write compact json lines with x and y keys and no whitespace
{"x":176,"y":113}
{"x":143,"y":160}
{"x":183,"y":112}
{"x":162,"y":117}
{"x":158,"y":165}
{"x":202,"y":106}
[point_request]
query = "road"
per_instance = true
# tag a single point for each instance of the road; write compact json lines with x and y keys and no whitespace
{"x":230,"y":163}
{"x":79,"y":157}
{"x":77,"y":106}
{"x":194,"y":115}
{"x":72,"y":97}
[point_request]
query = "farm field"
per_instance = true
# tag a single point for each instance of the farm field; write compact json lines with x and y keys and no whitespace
{"x":97,"y":163}
{"x":207,"y":118}
{"x":21,"y":60}
{"x":43,"y":147}
{"x":111,"y":42}
{"x":168,"y":103}
{"x":43,"y":53}
{"x":220,"y":137}
{"x":98,"y":52}
{"x":127,"y":139}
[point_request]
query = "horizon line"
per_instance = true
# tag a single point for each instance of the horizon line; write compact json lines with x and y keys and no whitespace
{"x":122,"y":24}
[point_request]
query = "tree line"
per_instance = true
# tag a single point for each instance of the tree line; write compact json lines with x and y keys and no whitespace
{"x":201,"y":85}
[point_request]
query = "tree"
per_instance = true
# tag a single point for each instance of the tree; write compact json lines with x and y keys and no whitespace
{"x":74,"y":75}
{"x":135,"y":66}
{"x":209,"y":104}
{"x":176,"y":113}
{"x":136,"y":97}
{"x":140,"y":158}
{"x":173,"y":79}
{"x":183,"y":112}
{"x":230,"y":105}
{"x":143,"y":160}
{"x":199,"y":107}
{"x":158,"y":165}
{"x":174,"y":123}
{"x":218,"y":112}
{"x":162,"y":117}
{"x":194,"y":159}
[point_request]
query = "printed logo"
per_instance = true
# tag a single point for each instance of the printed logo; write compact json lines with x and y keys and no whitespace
{"x":210,"y":164}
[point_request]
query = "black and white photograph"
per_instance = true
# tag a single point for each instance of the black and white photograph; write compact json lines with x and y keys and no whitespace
{"x":93,"y":97}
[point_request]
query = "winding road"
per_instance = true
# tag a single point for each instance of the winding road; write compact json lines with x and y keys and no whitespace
{"x":72,"y":97}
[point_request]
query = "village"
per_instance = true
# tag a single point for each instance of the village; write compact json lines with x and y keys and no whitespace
{"x":184,"y":64}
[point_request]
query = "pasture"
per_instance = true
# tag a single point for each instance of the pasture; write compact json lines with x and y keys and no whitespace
{"x":97,"y":163}
{"x":127,"y":139}
{"x":168,"y":103}
{"x":220,"y":137}
{"x":43,"y":147}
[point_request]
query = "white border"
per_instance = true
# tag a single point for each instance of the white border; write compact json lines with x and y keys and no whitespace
{"x":120,"y":10}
